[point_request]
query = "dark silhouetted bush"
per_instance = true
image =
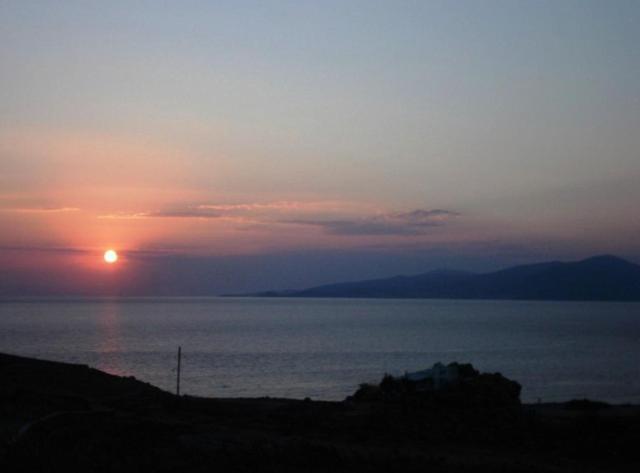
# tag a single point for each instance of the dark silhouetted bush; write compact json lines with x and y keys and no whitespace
{"x":470,"y":388}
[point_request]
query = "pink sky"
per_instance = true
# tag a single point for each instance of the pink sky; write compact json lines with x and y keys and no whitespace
{"x":406,"y":139}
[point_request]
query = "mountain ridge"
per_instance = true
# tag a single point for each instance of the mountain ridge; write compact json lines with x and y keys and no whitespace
{"x":602,"y":277}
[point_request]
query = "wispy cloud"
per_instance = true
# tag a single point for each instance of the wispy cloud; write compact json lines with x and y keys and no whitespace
{"x":187,"y":212}
{"x":424,"y":217}
{"x":124,"y":215}
{"x":334,"y":218}
{"x":415,"y":222}
{"x":262,"y":211}
{"x":131,"y":252}
{"x":281,"y":205}
{"x":39,"y":209}
{"x":44,"y":249}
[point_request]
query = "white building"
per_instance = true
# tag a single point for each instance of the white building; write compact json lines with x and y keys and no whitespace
{"x":440,"y":375}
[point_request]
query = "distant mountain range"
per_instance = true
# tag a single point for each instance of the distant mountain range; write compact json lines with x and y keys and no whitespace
{"x":605,"y":278}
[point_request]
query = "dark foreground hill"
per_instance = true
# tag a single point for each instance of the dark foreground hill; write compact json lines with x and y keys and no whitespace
{"x":602,"y":278}
{"x":61,"y":417}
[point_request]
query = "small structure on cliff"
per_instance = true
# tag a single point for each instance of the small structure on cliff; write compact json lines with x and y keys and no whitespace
{"x":437,"y":376}
{"x":440,"y":375}
{"x":452,"y":384}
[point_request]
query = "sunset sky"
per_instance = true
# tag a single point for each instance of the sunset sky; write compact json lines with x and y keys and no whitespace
{"x":242,"y":146}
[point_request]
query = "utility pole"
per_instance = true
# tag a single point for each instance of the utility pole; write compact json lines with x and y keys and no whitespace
{"x":178,"y":380}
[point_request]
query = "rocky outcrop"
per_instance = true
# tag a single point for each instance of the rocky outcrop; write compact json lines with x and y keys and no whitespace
{"x":450,"y":385}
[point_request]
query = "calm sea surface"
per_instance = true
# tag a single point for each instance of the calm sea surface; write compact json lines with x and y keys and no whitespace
{"x":323,"y":348}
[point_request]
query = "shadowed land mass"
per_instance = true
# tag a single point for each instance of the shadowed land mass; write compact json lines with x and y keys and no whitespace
{"x":64,"y":417}
{"x":605,"y":278}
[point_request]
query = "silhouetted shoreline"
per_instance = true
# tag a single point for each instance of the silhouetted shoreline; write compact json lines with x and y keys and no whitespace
{"x":59,"y":416}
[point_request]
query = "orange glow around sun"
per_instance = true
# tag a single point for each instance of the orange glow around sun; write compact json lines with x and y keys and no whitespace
{"x":110,"y":256}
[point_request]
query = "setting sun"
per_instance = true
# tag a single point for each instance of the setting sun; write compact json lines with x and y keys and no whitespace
{"x":110,"y":256}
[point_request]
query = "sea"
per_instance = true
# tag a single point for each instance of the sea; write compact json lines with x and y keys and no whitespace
{"x":324,"y":348}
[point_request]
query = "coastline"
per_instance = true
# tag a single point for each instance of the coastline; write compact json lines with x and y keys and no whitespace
{"x":59,"y":416}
